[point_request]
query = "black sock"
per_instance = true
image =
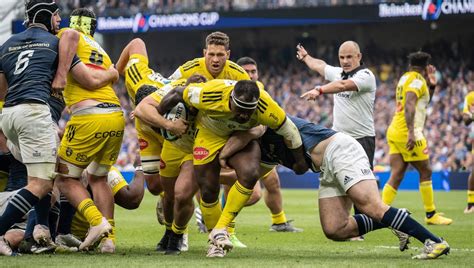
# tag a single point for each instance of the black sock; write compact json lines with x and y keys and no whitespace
{"x":17,"y":207}
{"x":30,"y":224}
{"x":367,"y":224}
{"x":400,"y":220}
{"x":53,"y":219}
{"x":65,"y":217}
{"x":42,"y":209}
{"x":430,"y":214}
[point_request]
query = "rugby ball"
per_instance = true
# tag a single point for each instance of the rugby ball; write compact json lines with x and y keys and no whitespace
{"x":178,"y":111}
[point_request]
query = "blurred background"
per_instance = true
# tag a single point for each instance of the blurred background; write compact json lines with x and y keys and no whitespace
{"x":269,"y":30}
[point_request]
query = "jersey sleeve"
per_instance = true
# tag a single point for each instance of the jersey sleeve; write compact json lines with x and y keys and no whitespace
{"x":270,"y":113}
{"x":115,"y":180}
{"x":206,"y":96}
{"x":186,"y":70}
{"x":364,"y":80}
{"x":415,"y":84}
{"x":332,"y":73}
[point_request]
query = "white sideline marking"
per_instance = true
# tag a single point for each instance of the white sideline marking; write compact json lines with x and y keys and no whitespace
{"x":417,"y":248}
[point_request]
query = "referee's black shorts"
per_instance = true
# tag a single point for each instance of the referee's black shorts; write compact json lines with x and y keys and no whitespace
{"x":368,"y":143}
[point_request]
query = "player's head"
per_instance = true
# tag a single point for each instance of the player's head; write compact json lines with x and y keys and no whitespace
{"x":419,"y":59}
{"x":349,"y":56}
{"x":83,"y":20}
{"x":143,"y":92}
{"x":244,"y":100}
{"x":43,"y":12}
{"x":250,"y":66}
{"x":216,"y":52}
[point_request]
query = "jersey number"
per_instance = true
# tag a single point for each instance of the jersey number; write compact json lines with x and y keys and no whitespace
{"x":96,"y":58}
{"x":23,"y":60}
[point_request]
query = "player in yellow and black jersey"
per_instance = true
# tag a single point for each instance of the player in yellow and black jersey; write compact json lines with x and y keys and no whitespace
{"x":468,"y":116}
{"x":407,"y":144}
{"x":215,"y":64}
{"x":226,"y":106}
{"x":93,"y":135}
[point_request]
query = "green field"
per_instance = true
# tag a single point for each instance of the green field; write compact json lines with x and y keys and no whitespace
{"x":138,"y":232}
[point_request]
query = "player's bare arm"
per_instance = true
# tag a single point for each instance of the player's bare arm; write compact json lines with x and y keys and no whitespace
{"x":147,"y":112}
{"x":314,"y":64}
{"x":410,"y":118}
{"x":92,"y":78}
{"x":3,"y":86}
{"x":67,"y":50}
{"x":330,"y":88}
{"x":136,"y":46}
{"x":239,"y":141}
{"x":431,"y":79}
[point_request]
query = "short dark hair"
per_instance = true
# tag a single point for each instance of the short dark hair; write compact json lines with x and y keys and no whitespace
{"x":218,"y":38}
{"x":419,"y":59}
{"x":247,"y":90}
{"x":246,"y":61}
{"x":143,"y":92}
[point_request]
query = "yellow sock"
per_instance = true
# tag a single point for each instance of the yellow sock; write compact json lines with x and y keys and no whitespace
{"x":88,"y":209}
{"x":231,"y":227}
{"x":167,"y":225}
{"x":388,"y":194}
{"x":210,"y":213}
{"x":179,"y":229}
{"x":279,"y":218}
{"x":236,"y":200}
{"x":470,"y":196}
{"x":426,"y":190}
{"x":112,"y":234}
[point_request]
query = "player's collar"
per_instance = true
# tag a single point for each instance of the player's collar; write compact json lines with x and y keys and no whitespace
{"x":349,"y":74}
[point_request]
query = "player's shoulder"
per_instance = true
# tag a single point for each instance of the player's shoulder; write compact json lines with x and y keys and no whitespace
{"x":470,"y":96}
{"x":234,"y":67}
{"x":192,"y":64}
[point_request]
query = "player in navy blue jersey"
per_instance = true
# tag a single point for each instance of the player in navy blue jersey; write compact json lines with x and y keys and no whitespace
{"x":28,"y":72}
{"x":345,"y":178}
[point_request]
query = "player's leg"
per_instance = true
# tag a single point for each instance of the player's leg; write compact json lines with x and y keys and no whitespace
{"x":32,"y":131}
{"x":136,"y":46}
{"x":185,"y":188}
{"x":470,"y":187}
{"x":398,"y":167}
{"x":426,"y":189}
{"x":274,"y":201}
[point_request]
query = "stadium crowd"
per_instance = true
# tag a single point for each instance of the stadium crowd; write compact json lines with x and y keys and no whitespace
{"x":130,"y":7}
{"x":286,"y":79}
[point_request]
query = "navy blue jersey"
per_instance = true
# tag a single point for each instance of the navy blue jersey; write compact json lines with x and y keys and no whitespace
{"x":29,"y":61}
{"x":274,"y":150}
{"x":56,"y":106}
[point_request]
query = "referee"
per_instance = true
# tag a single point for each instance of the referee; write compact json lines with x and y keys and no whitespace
{"x":353,"y":86}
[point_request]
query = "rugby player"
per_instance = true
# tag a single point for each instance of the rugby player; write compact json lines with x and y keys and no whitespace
{"x":467,"y":117}
{"x":407,"y":144}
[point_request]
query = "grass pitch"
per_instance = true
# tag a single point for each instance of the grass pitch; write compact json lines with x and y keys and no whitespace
{"x":138,"y":232}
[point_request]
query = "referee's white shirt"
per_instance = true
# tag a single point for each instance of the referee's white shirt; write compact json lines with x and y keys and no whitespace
{"x":353,"y":111}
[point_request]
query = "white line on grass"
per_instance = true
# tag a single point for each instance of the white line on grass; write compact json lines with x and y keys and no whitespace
{"x":417,"y":248}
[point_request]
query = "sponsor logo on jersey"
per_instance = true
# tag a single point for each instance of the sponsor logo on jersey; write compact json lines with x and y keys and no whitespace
{"x":200,"y":153}
{"x":143,"y":144}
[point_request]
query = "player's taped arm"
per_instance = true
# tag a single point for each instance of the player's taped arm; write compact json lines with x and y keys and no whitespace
{"x":410,"y":106}
{"x":147,"y":111}
{"x":130,"y":196}
{"x":293,"y":141}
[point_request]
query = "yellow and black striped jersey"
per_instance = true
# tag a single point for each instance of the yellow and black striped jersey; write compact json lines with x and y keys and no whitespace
{"x":231,"y":71}
{"x":212,"y":100}
{"x":94,"y":56}
{"x":138,"y":73}
{"x":416,"y":83}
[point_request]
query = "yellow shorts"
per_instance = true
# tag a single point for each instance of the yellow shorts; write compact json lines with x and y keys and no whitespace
{"x":93,"y":137}
{"x":151,"y":144}
{"x":172,"y":158}
{"x":419,"y":153}
{"x":206,"y":145}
